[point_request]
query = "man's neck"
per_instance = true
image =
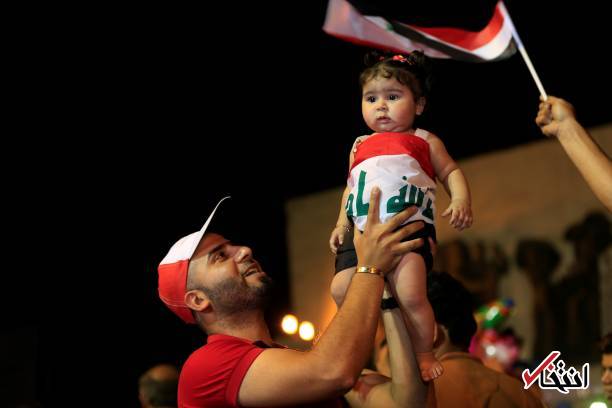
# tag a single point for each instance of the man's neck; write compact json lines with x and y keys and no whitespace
{"x":250,"y":326}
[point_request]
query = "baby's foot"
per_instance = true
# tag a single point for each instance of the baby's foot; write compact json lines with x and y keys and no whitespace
{"x":430,"y":367}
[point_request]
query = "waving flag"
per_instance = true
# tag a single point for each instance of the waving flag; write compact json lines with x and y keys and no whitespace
{"x":493,"y":42}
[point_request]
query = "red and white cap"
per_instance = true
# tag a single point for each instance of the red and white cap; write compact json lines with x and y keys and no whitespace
{"x":173,"y":271}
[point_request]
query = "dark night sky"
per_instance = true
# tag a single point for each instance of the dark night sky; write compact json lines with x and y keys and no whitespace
{"x":162,"y":113}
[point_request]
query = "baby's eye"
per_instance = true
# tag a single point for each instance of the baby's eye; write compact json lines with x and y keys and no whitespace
{"x":394,"y":97}
{"x":371,"y":99}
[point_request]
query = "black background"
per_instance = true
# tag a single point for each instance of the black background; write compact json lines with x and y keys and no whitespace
{"x":129,"y":125}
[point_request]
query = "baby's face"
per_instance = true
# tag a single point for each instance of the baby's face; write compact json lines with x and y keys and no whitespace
{"x":389,"y":106}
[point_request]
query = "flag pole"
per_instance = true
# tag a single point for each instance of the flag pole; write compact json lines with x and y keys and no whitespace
{"x":523,"y":52}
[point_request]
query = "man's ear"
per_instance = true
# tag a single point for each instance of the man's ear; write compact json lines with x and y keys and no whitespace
{"x":197,"y":301}
{"x":420,"y":106}
{"x":439,"y":335}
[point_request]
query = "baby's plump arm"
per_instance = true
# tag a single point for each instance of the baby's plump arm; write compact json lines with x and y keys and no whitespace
{"x":342,"y":223}
{"x":455,"y":183}
{"x":343,"y":220}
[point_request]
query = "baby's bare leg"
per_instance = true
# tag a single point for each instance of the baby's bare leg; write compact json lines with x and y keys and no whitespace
{"x":409,"y":282}
{"x":340,"y":284}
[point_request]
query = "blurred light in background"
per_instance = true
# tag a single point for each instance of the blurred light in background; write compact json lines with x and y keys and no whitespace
{"x":307,"y":331}
{"x":289,"y":324}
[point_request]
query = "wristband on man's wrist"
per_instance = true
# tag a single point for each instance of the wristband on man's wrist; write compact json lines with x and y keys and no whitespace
{"x":388,"y":303}
{"x":370,"y":269}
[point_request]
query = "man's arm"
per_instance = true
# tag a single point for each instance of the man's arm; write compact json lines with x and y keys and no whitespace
{"x":556,"y":118}
{"x":285,"y":377}
{"x":404,"y":388}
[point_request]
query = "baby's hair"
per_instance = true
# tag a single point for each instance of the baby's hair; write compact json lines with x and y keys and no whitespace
{"x":411,"y":70}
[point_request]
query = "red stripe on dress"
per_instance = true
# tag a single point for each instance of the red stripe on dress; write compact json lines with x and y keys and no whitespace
{"x":391,"y":143}
{"x":468,"y":40}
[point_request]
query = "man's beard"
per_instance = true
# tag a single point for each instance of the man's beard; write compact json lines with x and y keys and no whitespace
{"x":233,"y":296}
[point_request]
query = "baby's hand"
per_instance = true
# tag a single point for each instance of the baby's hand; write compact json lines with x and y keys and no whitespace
{"x":337,"y":237}
{"x":460,"y":212}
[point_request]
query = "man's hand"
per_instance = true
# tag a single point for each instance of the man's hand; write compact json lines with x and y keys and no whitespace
{"x":380,"y":244}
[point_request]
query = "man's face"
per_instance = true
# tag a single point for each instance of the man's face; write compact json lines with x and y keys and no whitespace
{"x":228,"y":275}
{"x":606,"y":374}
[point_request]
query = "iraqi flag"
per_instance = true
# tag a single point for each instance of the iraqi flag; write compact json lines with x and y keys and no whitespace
{"x":492,"y":42}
